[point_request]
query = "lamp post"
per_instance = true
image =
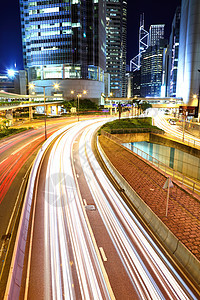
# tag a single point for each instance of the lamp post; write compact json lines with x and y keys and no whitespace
{"x":79,"y":94}
{"x":56,"y":87}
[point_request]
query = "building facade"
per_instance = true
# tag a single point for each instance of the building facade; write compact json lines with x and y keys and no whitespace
{"x":152,"y":70}
{"x":16,"y":84}
{"x":188,"y":78}
{"x":156,"y":33}
{"x":133,"y":83}
{"x":116,"y":29}
{"x":173,"y":54}
{"x":65,"y":40}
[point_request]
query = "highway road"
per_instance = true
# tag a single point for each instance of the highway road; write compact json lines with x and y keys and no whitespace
{"x":176,"y":131}
{"x":16,"y":155}
{"x":85,"y":243}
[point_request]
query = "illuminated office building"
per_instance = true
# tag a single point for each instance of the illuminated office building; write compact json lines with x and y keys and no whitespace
{"x":173,"y":54}
{"x":17,"y":83}
{"x":65,"y":41}
{"x":152,"y":69}
{"x":116,"y":17}
{"x":188,"y":79}
{"x":156,"y":33}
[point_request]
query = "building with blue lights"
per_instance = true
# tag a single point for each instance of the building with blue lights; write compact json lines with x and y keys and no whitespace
{"x":65,"y":41}
{"x":173,"y":54}
{"x":188,"y":78}
{"x":152,"y":69}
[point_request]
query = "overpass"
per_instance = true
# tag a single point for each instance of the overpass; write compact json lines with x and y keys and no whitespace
{"x":155,"y":102}
{"x":9,"y":101}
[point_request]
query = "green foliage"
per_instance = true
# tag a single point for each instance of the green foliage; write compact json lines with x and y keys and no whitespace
{"x":129,"y":124}
{"x":5,"y":132}
{"x":84,"y":104}
{"x":145,"y":105}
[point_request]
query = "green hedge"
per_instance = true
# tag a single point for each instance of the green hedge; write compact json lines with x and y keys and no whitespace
{"x":11,"y":131}
{"x":126,"y":125}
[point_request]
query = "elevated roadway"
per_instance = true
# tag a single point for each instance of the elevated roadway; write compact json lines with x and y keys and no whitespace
{"x":155,"y":102}
{"x":24,"y":101}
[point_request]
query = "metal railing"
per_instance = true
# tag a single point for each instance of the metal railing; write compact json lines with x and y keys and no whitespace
{"x":183,"y":179}
{"x":136,"y":130}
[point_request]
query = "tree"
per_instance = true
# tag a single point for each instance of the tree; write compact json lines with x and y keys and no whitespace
{"x":145,"y":105}
{"x":119,"y":108}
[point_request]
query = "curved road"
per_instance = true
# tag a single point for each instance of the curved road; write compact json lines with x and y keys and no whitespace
{"x":17,"y":153}
{"x":86,"y":243}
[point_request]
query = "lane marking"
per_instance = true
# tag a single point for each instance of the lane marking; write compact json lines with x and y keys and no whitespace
{"x":84,"y":201}
{"x":103,"y":254}
{"x":19,"y":149}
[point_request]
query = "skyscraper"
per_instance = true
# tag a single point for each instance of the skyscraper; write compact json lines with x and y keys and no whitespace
{"x":173,"y":54}
{"x":188,"y":79}
{"x":65,"y":40}
{"x":156,"y":33}
{"x":152,"y":69}
{"x":116,"y":17}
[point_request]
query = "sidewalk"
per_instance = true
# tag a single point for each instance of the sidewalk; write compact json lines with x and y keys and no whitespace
{"x":184,"y":208}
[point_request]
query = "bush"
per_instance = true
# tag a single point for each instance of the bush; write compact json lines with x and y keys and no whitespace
{"x":10,"y":131}
{"x":135,"y":123}
{"x":84,"y":104}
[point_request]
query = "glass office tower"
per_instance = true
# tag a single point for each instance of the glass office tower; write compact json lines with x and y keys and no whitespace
{"x":188,"y":78}
{"x":64,"y":39}
{"x":156,"y":33}
{"x":173,"y":54}
{"x":152,"y":69}
{"x":116,"y":17}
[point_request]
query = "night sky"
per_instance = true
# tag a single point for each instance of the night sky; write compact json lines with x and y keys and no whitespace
{"x":155,"y":11}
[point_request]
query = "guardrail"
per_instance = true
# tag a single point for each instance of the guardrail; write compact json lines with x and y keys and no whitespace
{"x":184,"y":180}
{"x":136,"y":130}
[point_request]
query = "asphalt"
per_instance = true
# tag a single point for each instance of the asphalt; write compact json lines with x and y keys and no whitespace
{"x":183,"y":217}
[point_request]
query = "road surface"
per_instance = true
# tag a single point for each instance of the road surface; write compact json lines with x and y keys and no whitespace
{"x":16,"y":155}
{"x":86,"y":243}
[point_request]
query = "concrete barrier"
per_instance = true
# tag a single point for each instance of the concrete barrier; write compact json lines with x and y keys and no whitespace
{"x":177,"y":250}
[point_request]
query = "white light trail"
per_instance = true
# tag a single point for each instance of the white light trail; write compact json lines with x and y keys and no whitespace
{"x":66,"y":228}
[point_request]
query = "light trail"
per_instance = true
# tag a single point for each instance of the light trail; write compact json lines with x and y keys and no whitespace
{"x":176,"y":131}
{"x":73,"y":265}
{"x":66,"y":228}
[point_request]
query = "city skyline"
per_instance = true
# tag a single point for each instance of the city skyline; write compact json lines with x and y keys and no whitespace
{"x":11,"y":52}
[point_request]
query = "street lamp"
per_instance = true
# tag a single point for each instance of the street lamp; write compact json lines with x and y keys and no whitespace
{"x":79,"y":94}
{"x":56,"y":87}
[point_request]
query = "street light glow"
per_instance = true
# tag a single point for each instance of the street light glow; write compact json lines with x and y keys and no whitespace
{"x":11,"y":72}
{"x":79,"y":95}
{"x":31,"y":86}
{"x":56,"y":86}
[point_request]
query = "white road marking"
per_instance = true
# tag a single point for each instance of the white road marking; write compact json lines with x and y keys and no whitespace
{"x":103,"y":254}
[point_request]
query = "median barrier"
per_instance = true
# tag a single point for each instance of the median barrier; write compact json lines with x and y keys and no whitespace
{"x":172,"y":244}
{"x":171,"y":240}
